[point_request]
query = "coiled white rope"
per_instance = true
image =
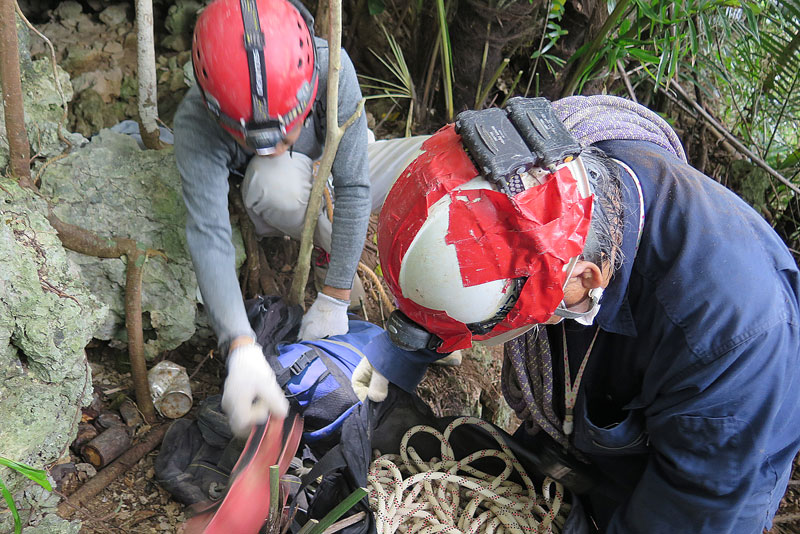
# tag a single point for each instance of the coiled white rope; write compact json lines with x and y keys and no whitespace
{"x":412,"y":496}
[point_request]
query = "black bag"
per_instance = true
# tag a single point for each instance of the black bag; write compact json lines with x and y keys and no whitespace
{"x":197,"y":455}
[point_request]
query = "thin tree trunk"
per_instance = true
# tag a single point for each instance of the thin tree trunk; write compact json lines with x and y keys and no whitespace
{"x":18,"y":147}
{"x":332,"y":137}
{"x":321,"y":19}
{"x":146,"y":73}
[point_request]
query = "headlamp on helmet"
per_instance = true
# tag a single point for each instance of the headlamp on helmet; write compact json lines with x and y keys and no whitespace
{"x":484,"y":255}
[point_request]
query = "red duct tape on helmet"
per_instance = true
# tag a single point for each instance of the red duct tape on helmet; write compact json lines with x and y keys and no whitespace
{"x":496,"y":238}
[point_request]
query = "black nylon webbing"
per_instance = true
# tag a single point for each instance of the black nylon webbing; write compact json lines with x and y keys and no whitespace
{"x":254,"y":44}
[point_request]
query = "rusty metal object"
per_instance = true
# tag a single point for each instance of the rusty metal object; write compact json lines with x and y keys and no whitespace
{"x":170,"y":389}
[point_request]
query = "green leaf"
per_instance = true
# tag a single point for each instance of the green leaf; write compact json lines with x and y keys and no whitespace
{"x":376,"y":7}
{"x":12,"y":507}
{"x":643,"y":55}
{"x":37,"y":475}
{"x":662,"y":64}
{"x":334,"y":515}
{"x":378,"y":270}
{"x":693,"y":37}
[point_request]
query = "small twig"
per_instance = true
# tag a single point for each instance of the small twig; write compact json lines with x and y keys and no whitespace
{"x":627,"y":80}
{"x":210,"y":354}
{"x":343,"y":523}
{"x":384,"y":297}
{"x":55,"y":77}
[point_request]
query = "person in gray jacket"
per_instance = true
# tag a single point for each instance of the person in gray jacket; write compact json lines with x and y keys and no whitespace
{"x":259,"y":101}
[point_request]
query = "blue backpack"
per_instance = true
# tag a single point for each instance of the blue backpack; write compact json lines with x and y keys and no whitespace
{"x":316,"y":377}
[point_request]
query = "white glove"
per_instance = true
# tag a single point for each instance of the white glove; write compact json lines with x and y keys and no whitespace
{"x":326,"y":317}
{"x":368,"y":382}
{"x":251,"y":392}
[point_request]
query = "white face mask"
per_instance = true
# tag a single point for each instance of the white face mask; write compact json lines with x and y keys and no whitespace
{"x":588,"y":317}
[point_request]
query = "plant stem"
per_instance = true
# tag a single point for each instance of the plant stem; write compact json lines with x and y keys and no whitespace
{"x":18,"y":146}
{"x":446,"y":57}
{"x":601,"y":36}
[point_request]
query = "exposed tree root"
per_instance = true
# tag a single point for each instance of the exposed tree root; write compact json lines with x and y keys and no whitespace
{"x":83,"y":241}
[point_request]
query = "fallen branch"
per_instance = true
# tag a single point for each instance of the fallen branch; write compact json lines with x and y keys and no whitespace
{"x":734,"y":141}
{"x":88,"y":491}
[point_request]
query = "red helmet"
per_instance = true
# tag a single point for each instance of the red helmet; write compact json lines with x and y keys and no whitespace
{"x":255,"y":62}
{"x":468,"y":262}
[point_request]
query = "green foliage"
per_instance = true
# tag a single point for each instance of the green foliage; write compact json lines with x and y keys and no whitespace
{"x":376,"y":7}
{"x":553,"y":32}
{"x":332,"y":516}
{"x":37,"y":475}
{"x":741,"y":55}
{"x":403,"y":88}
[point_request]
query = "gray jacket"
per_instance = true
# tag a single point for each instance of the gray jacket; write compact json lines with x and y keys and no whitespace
{"x":205,"y":155}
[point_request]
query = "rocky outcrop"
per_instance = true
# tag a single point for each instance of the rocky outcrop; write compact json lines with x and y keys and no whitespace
{"x":47,"y":317}
{"x":115,"y":189}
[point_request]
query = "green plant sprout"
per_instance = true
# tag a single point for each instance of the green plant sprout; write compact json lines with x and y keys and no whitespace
{"x":399,"y":69}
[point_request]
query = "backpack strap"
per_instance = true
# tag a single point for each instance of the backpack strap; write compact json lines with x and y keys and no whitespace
{"x":333,"y":460}
{"x":298,"y":366}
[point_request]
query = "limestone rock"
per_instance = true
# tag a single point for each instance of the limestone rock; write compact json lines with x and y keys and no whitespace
{"x":43,"y":108}
{"x":47,"y":317}
{"x":115,"y":189}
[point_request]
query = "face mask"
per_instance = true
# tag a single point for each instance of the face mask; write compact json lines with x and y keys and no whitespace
{"x":586,"y":317}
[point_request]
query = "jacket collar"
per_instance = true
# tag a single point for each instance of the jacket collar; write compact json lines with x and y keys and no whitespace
{"x":615,"y":313}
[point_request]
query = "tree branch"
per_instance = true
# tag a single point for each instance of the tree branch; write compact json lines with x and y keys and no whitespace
{"x":733,"y":140}
{"x":83,"y":241}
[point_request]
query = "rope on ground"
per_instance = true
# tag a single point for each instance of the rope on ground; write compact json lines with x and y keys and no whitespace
{"x":412,"y":496}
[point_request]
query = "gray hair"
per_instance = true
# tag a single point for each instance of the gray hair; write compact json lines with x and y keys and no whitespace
{"x":604,"y":241}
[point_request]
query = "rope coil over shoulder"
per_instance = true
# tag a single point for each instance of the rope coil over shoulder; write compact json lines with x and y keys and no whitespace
{"x":591,"y":119}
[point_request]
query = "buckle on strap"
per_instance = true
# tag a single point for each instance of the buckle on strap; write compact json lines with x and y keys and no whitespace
{"x":303,"y":361}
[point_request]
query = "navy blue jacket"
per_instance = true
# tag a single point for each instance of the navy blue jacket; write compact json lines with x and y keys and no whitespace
{"x":690,"y":398}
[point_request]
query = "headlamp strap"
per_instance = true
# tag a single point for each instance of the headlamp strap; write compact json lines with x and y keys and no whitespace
{"x":254,"y":45}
